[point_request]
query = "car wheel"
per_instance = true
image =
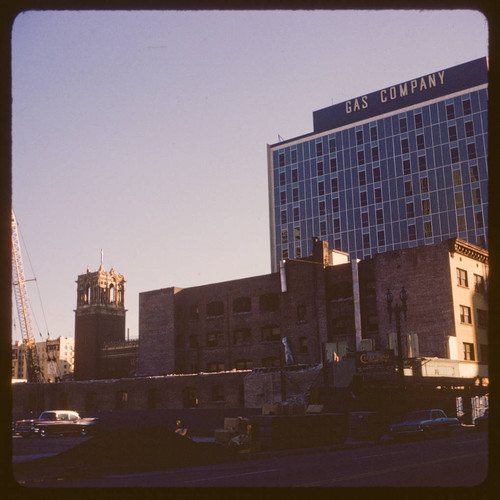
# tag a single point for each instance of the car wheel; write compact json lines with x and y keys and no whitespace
{"x":427,"y":434}
{"x":42,"y":433}
{"x":84,"y":431}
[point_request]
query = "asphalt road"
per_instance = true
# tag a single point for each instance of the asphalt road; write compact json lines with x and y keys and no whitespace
{"x":456,"y":461}
{"x":26,"y":449}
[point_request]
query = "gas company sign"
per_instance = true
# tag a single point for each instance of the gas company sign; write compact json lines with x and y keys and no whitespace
{"x":396,"y":91}
{"x":412,"y":92}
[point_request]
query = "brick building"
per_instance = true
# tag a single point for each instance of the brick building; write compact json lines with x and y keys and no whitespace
{"x":237,"y":324}
{"x":325,"y":306}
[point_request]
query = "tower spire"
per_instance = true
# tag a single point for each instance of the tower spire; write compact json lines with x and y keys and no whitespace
{"x":102,"y":258}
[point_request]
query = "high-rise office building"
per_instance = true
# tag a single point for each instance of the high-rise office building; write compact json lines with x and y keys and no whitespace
{"x":397,"y":168}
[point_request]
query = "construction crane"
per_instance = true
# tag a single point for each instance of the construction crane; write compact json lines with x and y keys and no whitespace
{"x":35,"y":373}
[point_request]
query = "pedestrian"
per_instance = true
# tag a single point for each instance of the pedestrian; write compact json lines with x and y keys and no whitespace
{"x":182,"y":431}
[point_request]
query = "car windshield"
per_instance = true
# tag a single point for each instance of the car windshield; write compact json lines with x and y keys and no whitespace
{"x":48,"y":415}
{"x":418,"y":415}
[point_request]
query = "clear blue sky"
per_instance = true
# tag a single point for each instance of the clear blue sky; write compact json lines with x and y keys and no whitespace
{"x":144,"y":133}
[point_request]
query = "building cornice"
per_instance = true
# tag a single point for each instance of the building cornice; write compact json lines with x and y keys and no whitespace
{"x":463,"y":247}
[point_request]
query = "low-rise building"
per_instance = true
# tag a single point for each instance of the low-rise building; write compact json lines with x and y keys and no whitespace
{"x":324,"y":307}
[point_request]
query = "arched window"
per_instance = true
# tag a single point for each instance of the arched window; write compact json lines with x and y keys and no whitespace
{"x":121,"y":400}
{"x":112,"y":297}
{"x":189,"y":397}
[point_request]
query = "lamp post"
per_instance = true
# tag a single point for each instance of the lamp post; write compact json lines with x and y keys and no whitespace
{"x":398,"y":309}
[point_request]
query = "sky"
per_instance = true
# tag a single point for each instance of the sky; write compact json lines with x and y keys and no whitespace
{"x":144,"y":133}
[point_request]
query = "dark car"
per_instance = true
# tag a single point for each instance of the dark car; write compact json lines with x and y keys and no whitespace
{"x":424,"y":423}
{"x":481,"y":423}
{"x":56,"y":422}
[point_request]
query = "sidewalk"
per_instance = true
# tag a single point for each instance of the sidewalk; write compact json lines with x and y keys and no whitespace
{"x":248,"y":455}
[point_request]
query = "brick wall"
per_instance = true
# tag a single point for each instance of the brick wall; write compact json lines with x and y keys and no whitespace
{"x":93,"y":326}
{"x":157,"y":332}
{"x":169,"y":320}
{"x":425,"y":274}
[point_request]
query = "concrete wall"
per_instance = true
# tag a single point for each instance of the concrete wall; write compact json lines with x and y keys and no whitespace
{"x":131,"y":393}
{"x":241,"y":390}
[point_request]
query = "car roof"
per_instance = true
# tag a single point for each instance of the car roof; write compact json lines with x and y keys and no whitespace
{"x":59,"y":411}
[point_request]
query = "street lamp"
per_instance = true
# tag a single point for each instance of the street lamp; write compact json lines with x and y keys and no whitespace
{"x":397,"y":309}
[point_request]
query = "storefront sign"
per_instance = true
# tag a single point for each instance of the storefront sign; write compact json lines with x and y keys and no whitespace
{"x":368,"y":361}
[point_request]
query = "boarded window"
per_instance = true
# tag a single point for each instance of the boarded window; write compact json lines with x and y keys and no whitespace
{"x":270,"y":333}
{"x":270,"y":362}
{"x":242,"y":305}
{"x":215,"y":309}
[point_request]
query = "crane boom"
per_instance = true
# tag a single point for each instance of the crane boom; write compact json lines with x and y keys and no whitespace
{"x":35,"y":373}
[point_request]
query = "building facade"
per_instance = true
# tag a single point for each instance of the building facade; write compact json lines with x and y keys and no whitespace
{"x":324,"y":307}
{"x":99,"y":320}
{"x":397,"y":168}
{"x":235,"y":325}
{"x":56,"y":357}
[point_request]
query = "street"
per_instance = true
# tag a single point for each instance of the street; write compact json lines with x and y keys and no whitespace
{"x":460,"y":460}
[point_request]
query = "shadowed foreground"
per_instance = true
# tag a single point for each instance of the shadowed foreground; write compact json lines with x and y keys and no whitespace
{"x":144,"y":449}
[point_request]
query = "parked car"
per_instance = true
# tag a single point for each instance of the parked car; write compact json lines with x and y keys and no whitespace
{"x":425,"y":423}
{"x":481,"y":423}
{"x":56,"y":422}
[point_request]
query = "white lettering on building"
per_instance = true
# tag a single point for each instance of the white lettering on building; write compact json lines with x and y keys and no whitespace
{"x":402,"y":90}
{"x":355,"y":105}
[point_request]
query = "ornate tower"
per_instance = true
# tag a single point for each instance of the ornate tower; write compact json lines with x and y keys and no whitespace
{"x":99,"y":318}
